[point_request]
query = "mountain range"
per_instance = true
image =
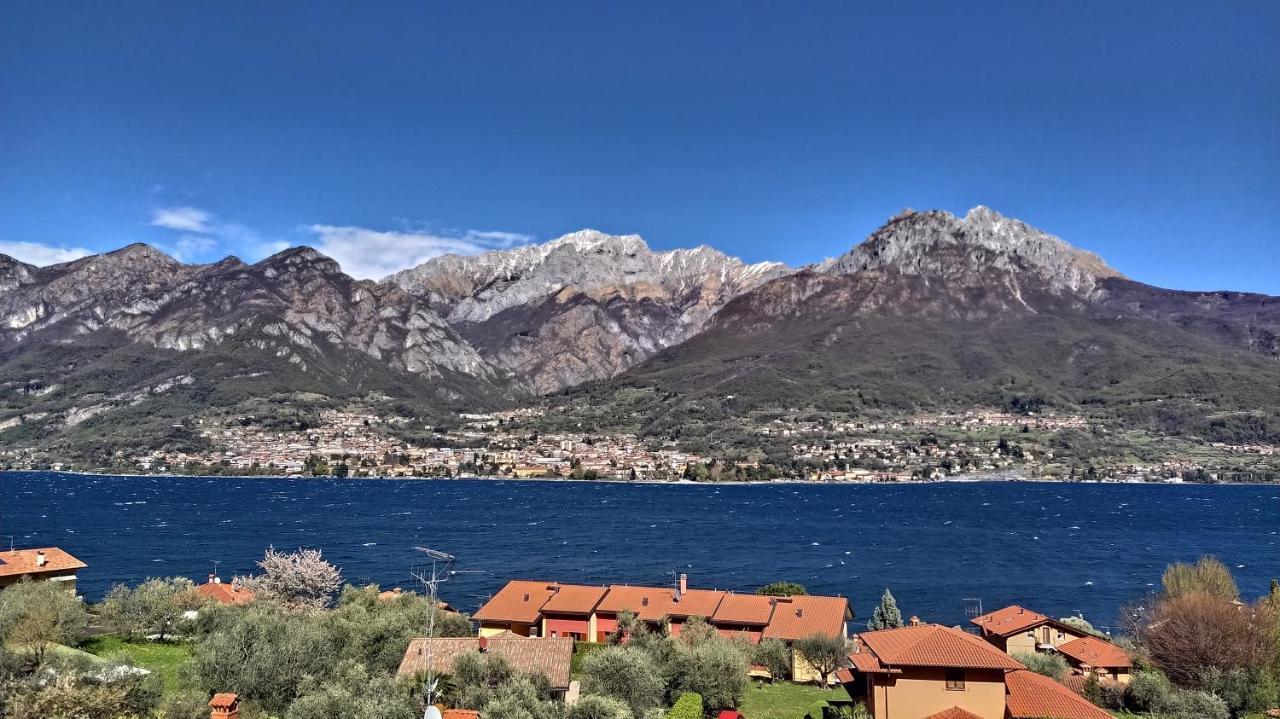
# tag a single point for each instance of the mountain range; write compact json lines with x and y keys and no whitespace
{"x":932,"y":309}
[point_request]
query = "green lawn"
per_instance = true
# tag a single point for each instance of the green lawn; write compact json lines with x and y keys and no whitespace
{"x":785,"y":700}
{"x":163,"y":658}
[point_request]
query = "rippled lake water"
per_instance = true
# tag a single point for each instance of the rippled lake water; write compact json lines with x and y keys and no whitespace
{"x":1058,"y":548}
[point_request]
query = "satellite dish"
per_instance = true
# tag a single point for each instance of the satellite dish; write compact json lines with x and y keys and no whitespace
{"x":433,"y":712}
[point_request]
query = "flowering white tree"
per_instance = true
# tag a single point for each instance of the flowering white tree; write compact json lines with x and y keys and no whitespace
{"x":299,"y":580}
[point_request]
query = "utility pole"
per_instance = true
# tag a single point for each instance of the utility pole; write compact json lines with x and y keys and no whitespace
{"x":441,"y":563}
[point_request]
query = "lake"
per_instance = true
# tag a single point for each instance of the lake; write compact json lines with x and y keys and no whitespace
{"x":1057,"y":548}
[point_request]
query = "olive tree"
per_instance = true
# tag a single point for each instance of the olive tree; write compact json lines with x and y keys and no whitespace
{"x":825,"y":653}
{"x":155,"y":607}
{"x":625,"y":673}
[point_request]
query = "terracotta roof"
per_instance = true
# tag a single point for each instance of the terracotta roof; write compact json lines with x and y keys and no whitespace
{"x":224,"y":593}
{"x":751,"y":609}
{"x":803,"y":616}
{"x":1095,"y":652}
{"x":931,"y":645}
{"x":548,"y":656}
{"x":867,"y":663}
{"x":654,"y":603}
{"x":1033,"y":696}
{"x":574,"y":599}
{"x":24,"y":561}
{"x":519,"y":601}
{"x":460,"y":714}
{"x":1010,"y":620}
{"x":953,"y":713}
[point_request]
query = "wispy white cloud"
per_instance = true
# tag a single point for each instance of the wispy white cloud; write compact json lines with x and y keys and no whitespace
{"x":373,"y":254}
{"x":364,"y":253}
{"x":183,"y":219}
{"x":34,"y":253}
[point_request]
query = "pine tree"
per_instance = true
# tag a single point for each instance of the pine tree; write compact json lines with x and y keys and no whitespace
{"x":886,"y":614}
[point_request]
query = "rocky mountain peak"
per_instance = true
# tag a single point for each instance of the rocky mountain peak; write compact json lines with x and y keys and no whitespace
{"x":936,"y":243}
{"x":298,"y":259}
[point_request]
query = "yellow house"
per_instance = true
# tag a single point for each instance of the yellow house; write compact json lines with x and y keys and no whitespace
{"x":920,"y":671}
{"x":1016,"y":629}
{"x":929,"y":671}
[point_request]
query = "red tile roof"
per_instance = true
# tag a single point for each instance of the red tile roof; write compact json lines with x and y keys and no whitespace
{"x":519,"y":601}
{"x":803,"y":616}
{"x":931,"y":645}
{"x":1076,"y":682}
{"x":750,"y":609}
{"x":1095,"y":652}
{"x":1010,"y":620}
{"x":1032,"y":696}
{"x":21,"y":562}
{"x":654,"y":603}
{"x":867,"y":663}
{"x":460,"y":714}
{"x":224,"y":593}
{"x":953,"y":713}
{"x":549,"y":656}
{"x":574,"y":599}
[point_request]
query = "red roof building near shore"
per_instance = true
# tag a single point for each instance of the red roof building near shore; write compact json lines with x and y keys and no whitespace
{"x":39,"y":564}
{"x":1034,"y":696}
{"x":591,"y":612}
{"x":1018,"y":629}
{"x":223,"y":593}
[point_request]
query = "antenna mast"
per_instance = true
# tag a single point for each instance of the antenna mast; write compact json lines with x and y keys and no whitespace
{"x":441,"y":563}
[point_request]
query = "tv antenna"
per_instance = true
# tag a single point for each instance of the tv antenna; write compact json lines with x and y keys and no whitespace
{"x":441,"y":563}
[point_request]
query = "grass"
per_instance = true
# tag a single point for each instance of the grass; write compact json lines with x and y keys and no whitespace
{"x":163,"y":658}
{"x":785,"y":700}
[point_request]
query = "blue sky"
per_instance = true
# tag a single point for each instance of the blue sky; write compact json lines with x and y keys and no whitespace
{"x":383,"y":133}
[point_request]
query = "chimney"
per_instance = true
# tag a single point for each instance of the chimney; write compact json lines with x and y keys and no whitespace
{"x":484,"y":644}
{"x":526,"y":596}
{"x":224,"y":706}
{"x":41,"y":560}
{"x":684,"y":584}
{"x":915,"y":621}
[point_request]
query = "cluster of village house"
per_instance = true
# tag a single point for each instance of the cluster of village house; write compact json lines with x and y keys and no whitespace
{"x":920,"y":671}
{"x":362,"y":443}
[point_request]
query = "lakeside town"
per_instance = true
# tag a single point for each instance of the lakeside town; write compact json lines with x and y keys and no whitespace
{"x":358,"y":442}
{"x":294,"y":641}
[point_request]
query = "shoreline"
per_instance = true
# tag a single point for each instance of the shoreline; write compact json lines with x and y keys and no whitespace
{"x":677,"y":482}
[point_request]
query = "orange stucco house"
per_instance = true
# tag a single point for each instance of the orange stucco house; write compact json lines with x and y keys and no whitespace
{"x":929,"y":671}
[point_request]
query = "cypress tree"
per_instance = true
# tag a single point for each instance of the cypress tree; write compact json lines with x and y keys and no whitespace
{"x":886,"y":614}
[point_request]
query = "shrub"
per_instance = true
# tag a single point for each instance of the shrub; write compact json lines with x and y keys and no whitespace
{"x":688,"y":706}
{"x":1050,"y":665}
{"x":595,"y":706}
{"x":300,"y":580}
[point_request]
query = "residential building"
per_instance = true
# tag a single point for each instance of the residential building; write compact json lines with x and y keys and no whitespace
{"x":40,"y":564}
{"x":929,"y":671}
{"x":224,"y":593}
{"x":1092,"y":655}
{"x":548,"y":656}
{"x":590,"y":613}
{"x":1015,"y":629}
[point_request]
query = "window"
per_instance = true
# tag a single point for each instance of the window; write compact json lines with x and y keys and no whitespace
{"x":955,"y":680}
